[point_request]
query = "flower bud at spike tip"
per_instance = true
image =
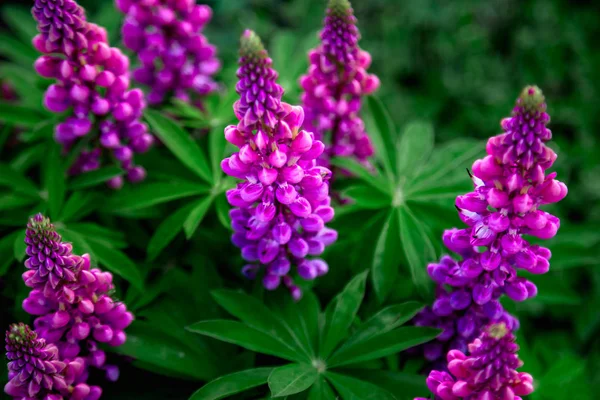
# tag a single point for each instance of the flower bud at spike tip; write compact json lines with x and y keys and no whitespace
{"x":273,"y":221}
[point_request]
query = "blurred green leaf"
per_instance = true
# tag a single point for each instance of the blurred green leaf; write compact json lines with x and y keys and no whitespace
{"x":17,"y":182}
{"x":93,"y":178}
{"x":222,"y":208}
{"x":180,"y":143}
{"x":367,"y":197}
{"x":20,"y":52}
{"x":117,"y":262}
{"x":321,"y":391}
{"x":196,"y":216}
{"x":167,"y":230}
{"x":231,"y":384}
{"x":20,"y":22}
{"x":54,"y":181}
{"x":404,"y":386}
{"x":151,"y":194}
{"x":20,"y":246}
{"x":417,"y":246}
{"x":413,"y":148}
{"x":7,"y":245}
{"x":382,"y":133}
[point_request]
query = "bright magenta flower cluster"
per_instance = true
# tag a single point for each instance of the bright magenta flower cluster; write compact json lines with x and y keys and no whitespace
{"x":282,"y":203}
{"x":488,"y":373}
{"x":335,"y":84}
{"x":177,"y":59}
{"x":92,"y":83}
{"x":75,"y":310}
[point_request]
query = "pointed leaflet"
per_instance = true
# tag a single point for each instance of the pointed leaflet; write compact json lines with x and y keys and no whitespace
{"x":146,"y":343}
{"x":354,"y":389}
{"x":383,"y":345}
{"x":180,"y":143}
{"x":386,"y":258}
{"x":384,"y":321}
{"x":167,"y":230}
{"x":359,"y":171}
{"x":417,"y":247}
{"x":225,"y":386}
{"x":292,"y":379}
{"x":196,"y":216}
{"x":222,"y":208}
{"x":245,"y":336}
{"x":413,"y":148}
{"x":146,"y":195}
{"x":321,"y":390}
{"x":17,"y":182}
{"x":80,"y":204}
{"x":382,"y":132}
{"x":341,"y":312}
{"x":117,"y":262}
{"x":366,"y":197}
{"x":252,"y":312}
{"x":403,"y":385}
{"x":93,"y":178}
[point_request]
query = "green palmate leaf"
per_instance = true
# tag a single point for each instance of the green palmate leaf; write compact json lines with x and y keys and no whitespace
{"x":292,"y":379}
{"x":196,"y":216}
{"x":358,"y":170}
{"x":19,"y":115}
{"x":20,"y":246}
{"x":384,"y":321}
{"x":117,"y":262}
{"x":147,"y":344}
{"x":321,"y":390}
{"x":354,"y":389}
{"x":386,"y":258}
{"x":382,"y":132}
{"x":247,"y":337}
{"x":54,"y":181}
{"x":15,"y":50}
{"x":94,"y":178}
{"x":29,"y":157}
{"x":180,"y":143}
{"x":252,"y":312}
{"x":17,"y":182}
{"x":417,"y":246}
{"x":151,"y":194}
{"x":341,"y":312}
{"x":167,"y":230}
{"x":225,"y":386}
{"x":80,"y":245}
{"x":404,"y":386}
{"x":383,"y":345}
{"x":216,"y":145}
{"x":413,"y":148}
{"x":366,"y":197}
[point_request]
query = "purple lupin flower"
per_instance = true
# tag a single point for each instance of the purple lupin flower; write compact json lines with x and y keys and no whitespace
{"x":176,"y":58}
{"x":511,"y":186}
{"x":79,"y":316}
{"x":34,"y":370}
{"x":282,"y":203}
{"x":335,"y":84}
{"x":92,"y":82}
{"x":488,"y":373}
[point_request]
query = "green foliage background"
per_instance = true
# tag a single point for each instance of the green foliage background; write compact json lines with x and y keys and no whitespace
{"x":455,"y":67}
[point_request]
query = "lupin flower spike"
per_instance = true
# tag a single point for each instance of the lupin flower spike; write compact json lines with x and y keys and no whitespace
{"x":511,"y":186}
{"x":75,"y":311}
{"x":176,"y":58}
{"x":489,"y":372}
{"x":336,"y":82}
{"x":92,"y":83}
{"x":282,"y":203}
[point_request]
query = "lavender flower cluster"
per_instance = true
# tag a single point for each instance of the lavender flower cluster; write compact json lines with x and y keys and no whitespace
{"x":75,"y":314}
{"x":282,"y":203}
{"x":335,"y":84}
{"x":488,"y":373}
{"x":176,"y":58}
{"x":511,"y":185}
{"x":92,"y":83}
